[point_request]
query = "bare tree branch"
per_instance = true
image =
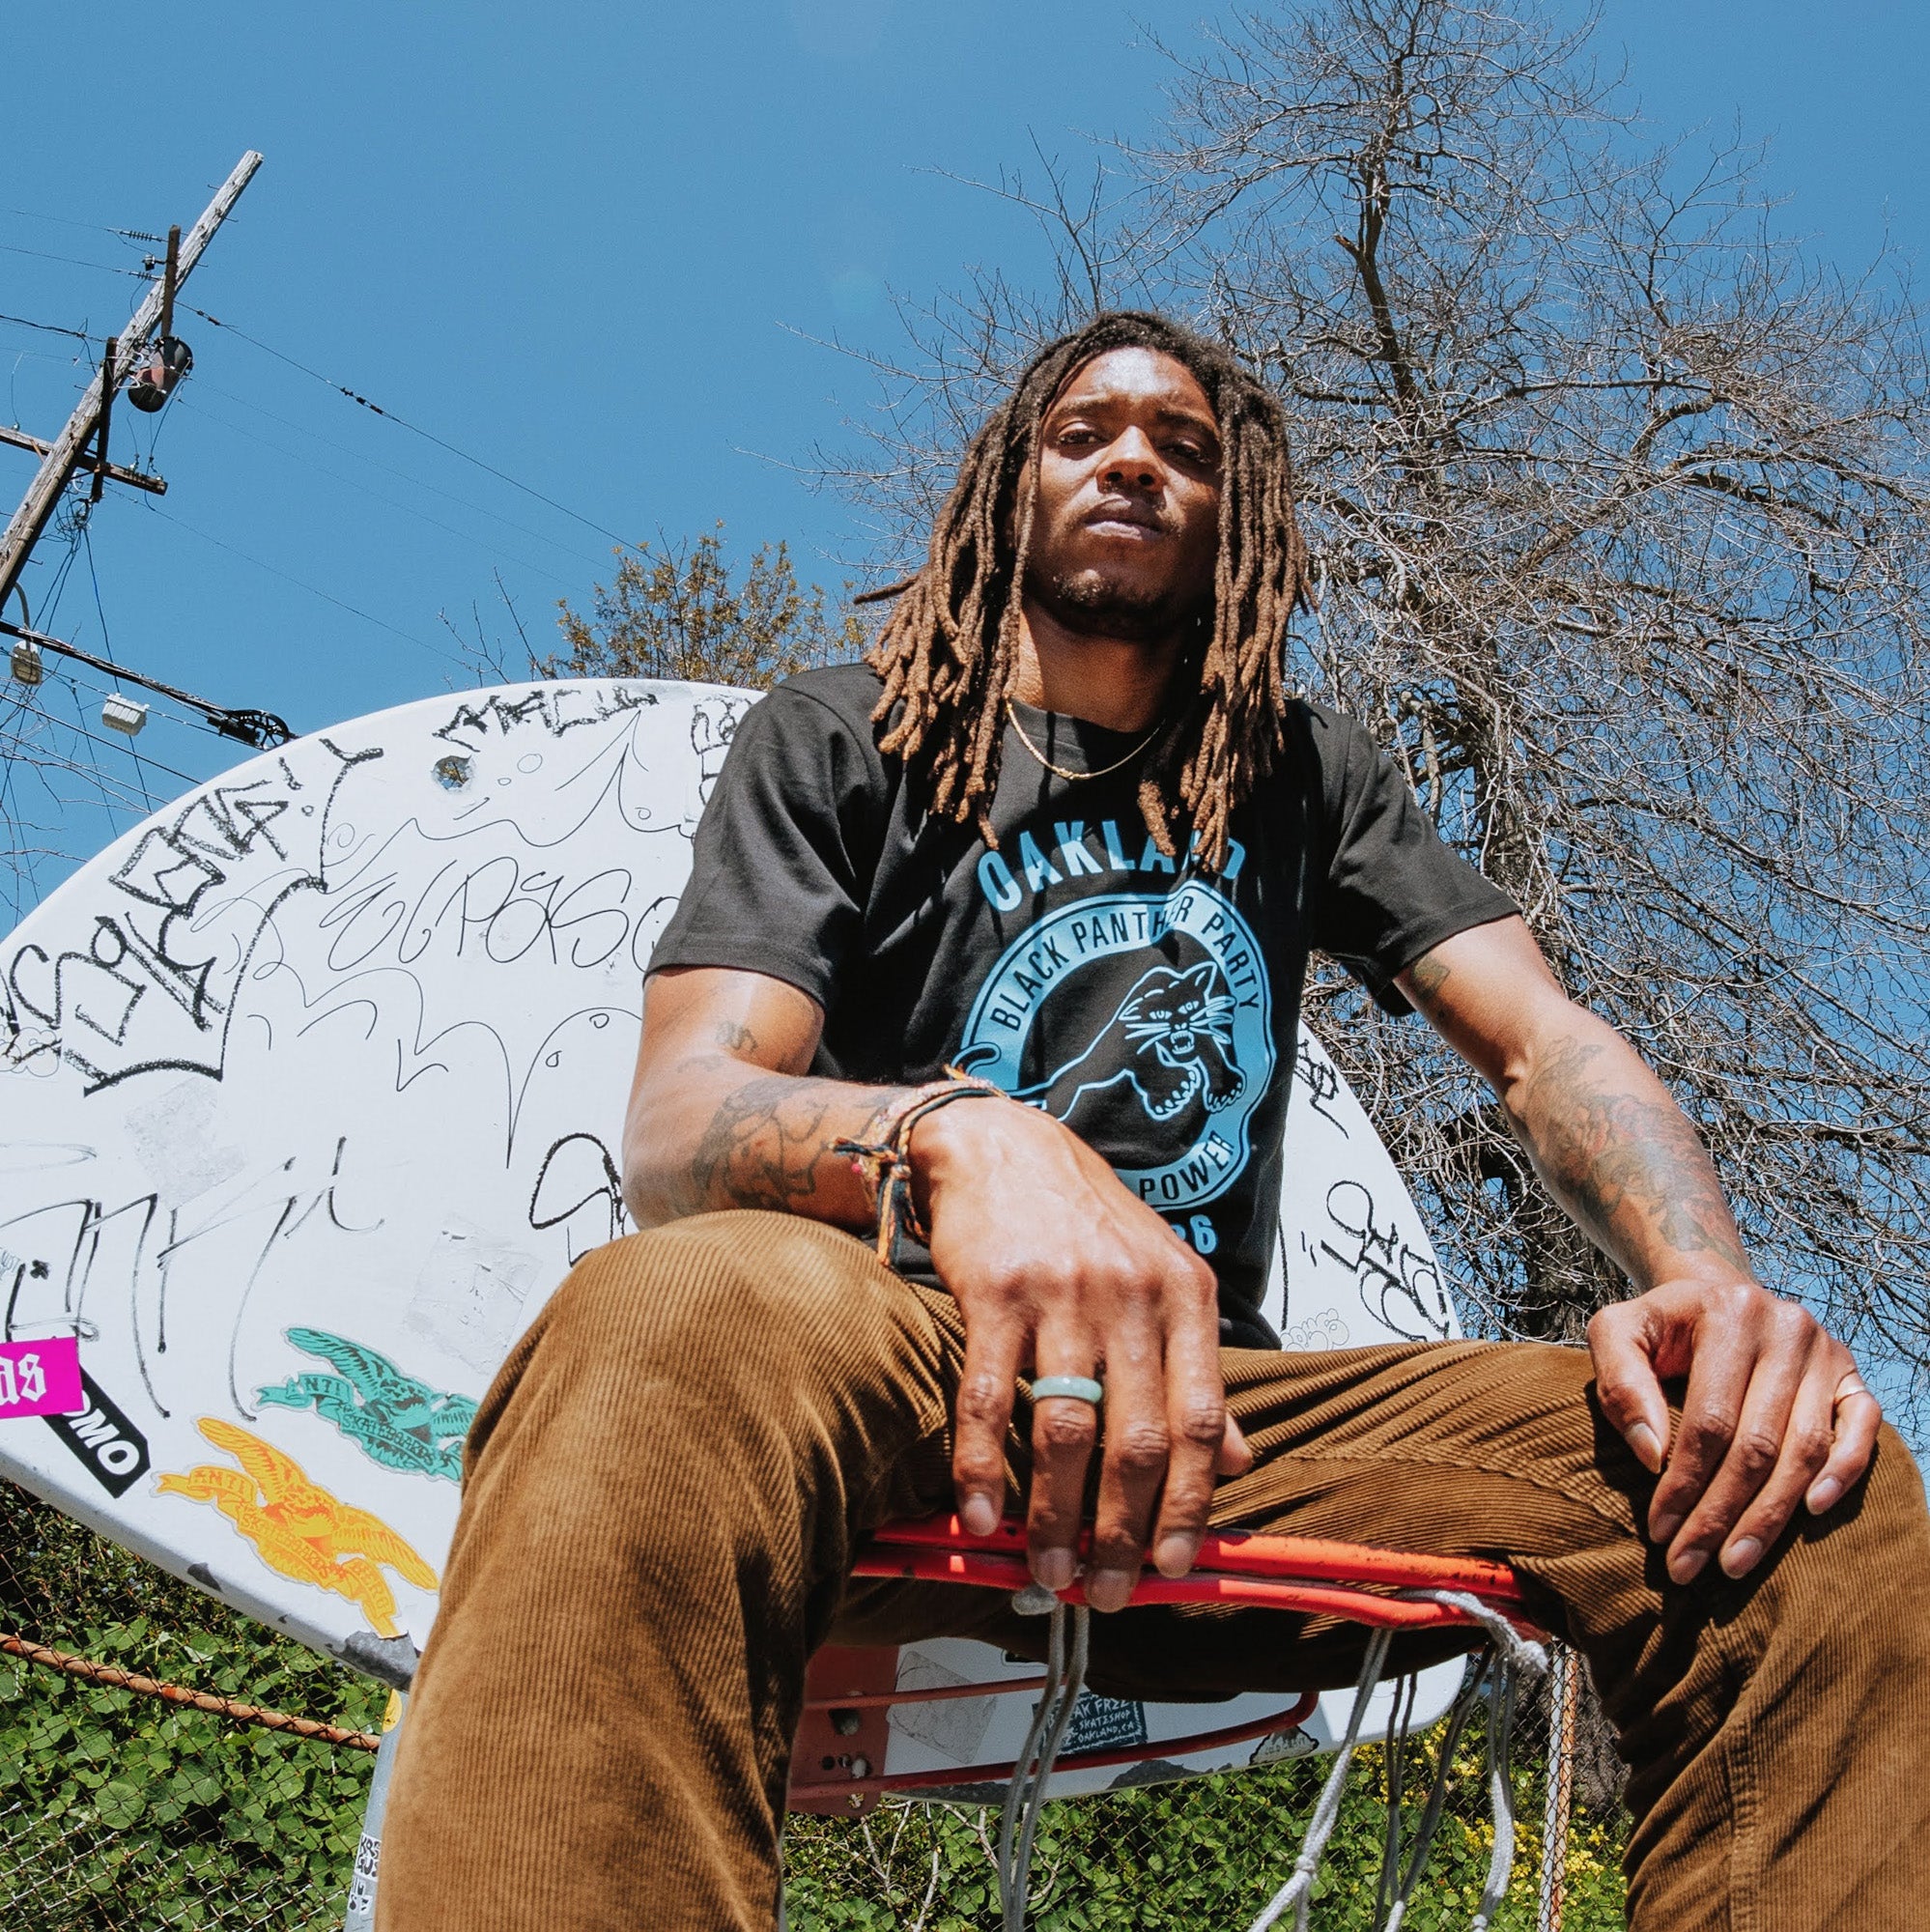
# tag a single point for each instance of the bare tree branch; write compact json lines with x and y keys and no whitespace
{"x":1620,"y":513}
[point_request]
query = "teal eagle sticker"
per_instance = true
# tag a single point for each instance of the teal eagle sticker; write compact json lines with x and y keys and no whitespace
{"x":393,"y":1418}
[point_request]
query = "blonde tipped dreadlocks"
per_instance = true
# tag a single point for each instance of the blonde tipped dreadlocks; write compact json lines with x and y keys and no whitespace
{"x":950,"y":653}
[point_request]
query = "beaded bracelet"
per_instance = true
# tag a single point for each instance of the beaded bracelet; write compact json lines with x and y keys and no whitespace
{"x":880,"y":1154}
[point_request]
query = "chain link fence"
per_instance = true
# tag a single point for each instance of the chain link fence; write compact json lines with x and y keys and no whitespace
{"x":120,"y":1812}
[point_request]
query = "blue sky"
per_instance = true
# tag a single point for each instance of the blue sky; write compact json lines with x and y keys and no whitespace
{"x":592,"y":244}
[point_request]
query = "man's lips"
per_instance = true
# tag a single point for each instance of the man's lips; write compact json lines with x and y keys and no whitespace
{"x":1118,"y":514}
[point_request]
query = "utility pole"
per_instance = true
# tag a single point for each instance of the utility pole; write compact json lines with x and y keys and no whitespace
{"x":135,"y":479}
{"x":90,"y":417}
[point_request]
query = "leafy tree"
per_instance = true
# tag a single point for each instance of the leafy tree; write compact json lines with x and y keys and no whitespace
{"x":1620,"y":512}
{"x":679,"y":613}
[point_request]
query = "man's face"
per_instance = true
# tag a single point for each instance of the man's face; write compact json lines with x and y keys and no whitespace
{"x":1126,"y":524}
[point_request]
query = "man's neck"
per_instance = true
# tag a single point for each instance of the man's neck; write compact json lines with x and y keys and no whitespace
{"x":1118,"y":682}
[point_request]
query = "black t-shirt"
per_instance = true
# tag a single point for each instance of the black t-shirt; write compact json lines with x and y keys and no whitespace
{"x":1151,"y":1005}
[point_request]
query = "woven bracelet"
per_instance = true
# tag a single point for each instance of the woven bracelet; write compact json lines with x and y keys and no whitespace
{"x":880,"y":1154}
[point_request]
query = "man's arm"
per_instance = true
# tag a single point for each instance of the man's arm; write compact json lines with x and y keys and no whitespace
{"x":725,"y":1113}
{"x":1767,"y":1420}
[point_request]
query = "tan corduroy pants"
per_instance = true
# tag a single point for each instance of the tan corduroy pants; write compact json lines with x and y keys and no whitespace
{"x":667,"y":1482}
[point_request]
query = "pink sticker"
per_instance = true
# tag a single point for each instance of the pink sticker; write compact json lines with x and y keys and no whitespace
{"x":40,"y":1377}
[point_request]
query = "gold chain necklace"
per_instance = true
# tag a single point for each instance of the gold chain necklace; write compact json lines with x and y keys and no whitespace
{"x":1059,"y":771}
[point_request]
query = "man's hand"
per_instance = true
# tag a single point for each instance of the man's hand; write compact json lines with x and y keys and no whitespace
{"x":1055,"y":1267}
{"x":1775,"y":1413}
{"x":1058,"y":1270}
{"x":1774,"y":1410}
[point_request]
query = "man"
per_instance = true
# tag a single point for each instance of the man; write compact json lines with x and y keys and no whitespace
{"x":1073,"y":830}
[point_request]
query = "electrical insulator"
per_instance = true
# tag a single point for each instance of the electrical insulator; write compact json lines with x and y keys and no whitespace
{"x":123,"y":714}
{"x":154,"y":382}
{"x":26,"y":663}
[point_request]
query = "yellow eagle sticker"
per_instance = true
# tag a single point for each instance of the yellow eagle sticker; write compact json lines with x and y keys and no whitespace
{"x":297,"y":1527}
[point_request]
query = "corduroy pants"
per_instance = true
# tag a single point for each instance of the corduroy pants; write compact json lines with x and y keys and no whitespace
{"x":666,"y":1484}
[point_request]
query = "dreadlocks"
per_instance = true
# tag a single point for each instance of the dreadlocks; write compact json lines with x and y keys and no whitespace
{"x":949,"y":654}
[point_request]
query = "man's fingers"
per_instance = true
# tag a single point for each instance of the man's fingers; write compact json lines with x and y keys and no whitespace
{"x":1859,"y":1415}
{"x":1723,"y":1359}
{"x":1125,"y":1294}
{"x":1735,"y":1418}
{"x":1203,"y":1437}
{"x":1773,"y":1412}
{"x":1064,"y":1433}
{"x":1235,"y":1458}
{"x":1806,"y":1441}
{"x":1626,"y":1383}
{"x":1136,"y":1439}
{"x":984,"y":1412}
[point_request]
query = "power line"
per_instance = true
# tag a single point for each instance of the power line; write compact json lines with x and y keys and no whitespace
{"x":106,"y":639}
{"x":414,"y":428}
{"x":99,"y":690}
{"x":51,"y":603}
{"x":40,"y":757}
{"x":259,"y":728}
{"x":202,"y":383}
{"x":288,"y":577}
{"x":63,"y":724}
{"x":80,"y":728}
{"x":53,"y":328}
{"x":363,"y":402}
{"x":90,"y":418}
{"x":47,"y":501}
{"x":75,"y":261}
{"x":98,"y":227}
{"x":393,"y":502}
{"x":100,"y":609}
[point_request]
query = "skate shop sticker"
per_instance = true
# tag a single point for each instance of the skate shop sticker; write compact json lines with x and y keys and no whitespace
{"x":109,"y":1447}
{"x":1160,"y":1017}
{"x":40,"y":1377}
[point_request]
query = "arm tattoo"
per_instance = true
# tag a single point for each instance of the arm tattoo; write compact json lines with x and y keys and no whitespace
{"x":763,"y":1145}
{"x":1430,"y":973}
{"x":1610,"y":1154}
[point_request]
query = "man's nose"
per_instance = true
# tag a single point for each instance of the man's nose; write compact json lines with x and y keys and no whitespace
{"x":1132,"y":462}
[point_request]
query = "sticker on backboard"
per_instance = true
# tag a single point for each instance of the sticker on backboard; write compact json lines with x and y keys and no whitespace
{"x":110,"y":1448}
{"x":396,"y":1420}
{"x":40,"y":1377}
{"x":299,"y":1528}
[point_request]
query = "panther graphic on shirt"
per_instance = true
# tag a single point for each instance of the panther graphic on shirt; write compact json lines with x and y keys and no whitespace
{"x":1169,"y":1039}
{"x":1140,"y":1020}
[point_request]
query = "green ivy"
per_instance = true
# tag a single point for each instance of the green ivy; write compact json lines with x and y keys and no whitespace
{"x":118,"y":1810}
{"x":111,"y":1801}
